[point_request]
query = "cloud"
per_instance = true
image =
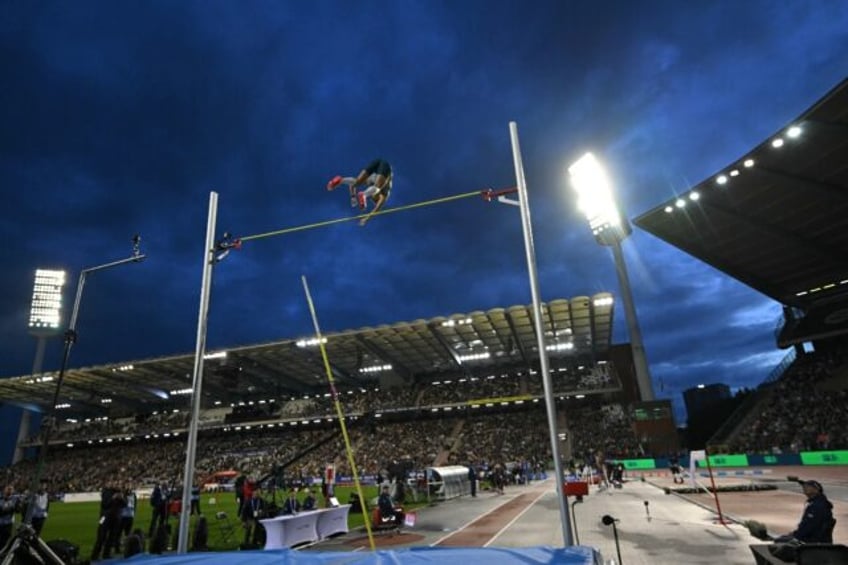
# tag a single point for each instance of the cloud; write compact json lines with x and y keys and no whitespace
{"x":122,"y":119}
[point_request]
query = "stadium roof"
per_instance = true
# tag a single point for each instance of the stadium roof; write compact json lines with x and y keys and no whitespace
{"x":776,"y":218}
{"x":478,"y":343}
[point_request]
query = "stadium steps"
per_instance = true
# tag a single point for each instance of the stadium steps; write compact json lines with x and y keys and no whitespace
{"x":742,"y":417}
{"x":444,"y":455}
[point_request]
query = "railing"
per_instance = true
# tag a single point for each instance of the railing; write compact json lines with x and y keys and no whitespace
{"x":781,"y":367}
{"x":726,"y":430}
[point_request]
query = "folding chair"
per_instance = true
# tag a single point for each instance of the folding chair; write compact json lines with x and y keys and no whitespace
{"x":822,"y":554}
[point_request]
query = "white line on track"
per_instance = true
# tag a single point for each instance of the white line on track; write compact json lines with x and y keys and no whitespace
{"x":465,"y":525}
{"x":511,"y":522}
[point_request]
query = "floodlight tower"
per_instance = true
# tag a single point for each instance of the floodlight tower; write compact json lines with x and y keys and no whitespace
{"x":70,"y":336}
{"x":45,"y":320}
{"x":25,"y":536}
{"x":595,"y":200}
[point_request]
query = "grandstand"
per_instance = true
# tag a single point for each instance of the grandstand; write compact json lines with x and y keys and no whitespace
{"x":446,"y":370}
{"x":776,"y":219}
{"x":473,"y":345}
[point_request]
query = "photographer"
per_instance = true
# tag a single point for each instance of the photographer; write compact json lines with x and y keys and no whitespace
{"x":159,"y":502}
{"x":112,"y":502}
{"x":128,"y":511}
{"x":816,"y":525}
{"x":41,"y":501}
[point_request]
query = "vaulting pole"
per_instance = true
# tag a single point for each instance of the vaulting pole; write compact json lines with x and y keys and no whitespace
{"x":339,"y":414}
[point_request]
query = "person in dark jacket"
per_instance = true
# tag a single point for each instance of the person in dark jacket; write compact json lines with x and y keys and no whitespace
{"x":309,"y":503}
{"x":388,"y":508}
{"x":112,"y":502}
{"x":816,"y":525}
{"x":472,"y":478}
{"x":159,"y":503}
{"x":291,"y":505}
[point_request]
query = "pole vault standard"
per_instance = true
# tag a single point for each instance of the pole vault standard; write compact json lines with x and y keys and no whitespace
{"x":209,"y":258}
{"x":540,"y":333}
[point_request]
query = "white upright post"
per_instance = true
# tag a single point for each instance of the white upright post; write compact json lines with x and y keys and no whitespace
{"x":540,"y":333}
{"x":197,"y":377}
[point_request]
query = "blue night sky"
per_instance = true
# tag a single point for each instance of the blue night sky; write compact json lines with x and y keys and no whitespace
{"x":121,"y":117}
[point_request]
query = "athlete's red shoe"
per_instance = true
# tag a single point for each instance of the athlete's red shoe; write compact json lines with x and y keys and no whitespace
{"x":334,"y":182}
{"x":360,"y":199}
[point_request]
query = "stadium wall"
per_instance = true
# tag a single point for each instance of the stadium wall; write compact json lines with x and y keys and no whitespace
{"x":838,"y":457}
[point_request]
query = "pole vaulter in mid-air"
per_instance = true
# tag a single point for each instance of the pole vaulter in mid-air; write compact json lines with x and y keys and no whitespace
{"x":377,"y":175}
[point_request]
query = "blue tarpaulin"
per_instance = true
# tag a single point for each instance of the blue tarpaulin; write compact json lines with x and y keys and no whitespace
{"x":424,"y":555}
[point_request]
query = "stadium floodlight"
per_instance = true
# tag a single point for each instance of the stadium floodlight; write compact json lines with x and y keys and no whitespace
{"x":594,"y":196}
{"x":45,"y":314}
{"x":610,"y":228}
{"x":45,"y":321}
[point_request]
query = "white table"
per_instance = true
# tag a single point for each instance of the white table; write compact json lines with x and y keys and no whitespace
{"x":305,"y":527}
{"x":291,"y":529}
{"x":332,"y":521}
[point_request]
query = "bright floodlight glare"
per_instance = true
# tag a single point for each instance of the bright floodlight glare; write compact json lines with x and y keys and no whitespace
{"x":594,"y":195}
{"x":45,"y":312}
{"x":778,"y":142}
{"x":694,"y":196}
{"x":668,"y":209}
{"x":748,"y":163}
{"x":721,"y":179}
{"x":680,"y":203}
{"x":793,"y":132}
{"x":734,"y":173}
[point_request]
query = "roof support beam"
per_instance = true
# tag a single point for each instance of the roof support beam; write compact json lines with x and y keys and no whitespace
{"x":378,"y":351}
{"x":337,"y":372}
{"x":516,"y":339}
{"x":270,"y":379}
{"x":452,"y":355}
{"x":100,"y":393}
{"x":592,"y":335}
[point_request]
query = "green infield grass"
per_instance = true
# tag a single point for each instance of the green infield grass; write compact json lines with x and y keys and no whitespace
{"x":77,"y":521}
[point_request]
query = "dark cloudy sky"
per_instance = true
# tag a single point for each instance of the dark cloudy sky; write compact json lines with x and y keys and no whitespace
{"x":121,"y":117}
